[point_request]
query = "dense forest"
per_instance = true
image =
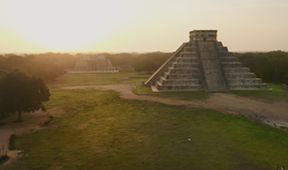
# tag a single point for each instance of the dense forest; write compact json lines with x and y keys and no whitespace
{"x":270,"y":66}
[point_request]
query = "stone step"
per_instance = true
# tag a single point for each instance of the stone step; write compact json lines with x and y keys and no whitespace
{"x":187,"y":59}
{"x":179,"y":84}
{"x":222,"y":49}
{"x":189,"y":53}
{"x":192,"y":62}
{"x":181,"y":76}
{"x":231,"y":63}
{"x":191,"y":81}
{"x":219,"y":44}
{"x":207,"y":47}
{"x":161,"y":87}
{"x":235,"y":75}
{"x":183,"y":70}
{"x":208,"y":50}
{"x":236,"y":69}
{"x":255,"y":86}
{"x":244,"y":81}
{"x":185,"y":65}
{"x":192,"y":43}
{"x":190,"y":48}
{"x":240,"y":75}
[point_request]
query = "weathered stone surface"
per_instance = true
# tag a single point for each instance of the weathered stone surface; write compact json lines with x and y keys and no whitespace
{"x":93,"y":64}
{"x":203,"y":63}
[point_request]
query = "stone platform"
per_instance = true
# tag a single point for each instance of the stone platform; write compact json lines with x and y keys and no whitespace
{"x":93,"y":64}
{"x":203,"y":63}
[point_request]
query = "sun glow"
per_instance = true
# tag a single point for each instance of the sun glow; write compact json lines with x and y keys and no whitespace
{"x":138,"y":25}
{"x":65,"y":25}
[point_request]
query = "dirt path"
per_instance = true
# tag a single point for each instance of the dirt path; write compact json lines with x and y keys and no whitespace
{"x":32,"y":122}
{"x":274,"y":114}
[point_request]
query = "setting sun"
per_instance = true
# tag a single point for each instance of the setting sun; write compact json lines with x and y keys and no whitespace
{"x":65,"y":25}
{"x":138,"y":26}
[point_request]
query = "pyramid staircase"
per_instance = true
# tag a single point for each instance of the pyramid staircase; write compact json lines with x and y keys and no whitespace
{"x":203,"y":63}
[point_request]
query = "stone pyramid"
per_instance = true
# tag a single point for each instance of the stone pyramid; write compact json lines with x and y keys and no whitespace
{"x":203,"y":63}
{"x":93,"y":64}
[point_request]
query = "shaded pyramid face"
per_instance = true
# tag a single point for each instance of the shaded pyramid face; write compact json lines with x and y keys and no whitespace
{"x":203,"y":63}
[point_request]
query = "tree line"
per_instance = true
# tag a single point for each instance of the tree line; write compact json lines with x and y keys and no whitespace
{"x":46,"y":66}
{"x":23,"y":77}
{"x":270,"y":66}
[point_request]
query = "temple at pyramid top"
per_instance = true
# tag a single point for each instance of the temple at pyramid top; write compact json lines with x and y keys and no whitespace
{"x":203,"y":35}
{"x":203,"y":63}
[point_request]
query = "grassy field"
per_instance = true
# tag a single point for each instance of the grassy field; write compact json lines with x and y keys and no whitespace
{"x":275,"y":91}
{"x":102,"y":131}
{"x":134,"y":78}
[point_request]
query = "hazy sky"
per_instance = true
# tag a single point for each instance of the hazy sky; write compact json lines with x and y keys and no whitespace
{"x":139,"y":25}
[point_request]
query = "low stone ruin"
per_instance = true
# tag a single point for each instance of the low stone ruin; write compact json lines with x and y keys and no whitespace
{"x":93,"y":64}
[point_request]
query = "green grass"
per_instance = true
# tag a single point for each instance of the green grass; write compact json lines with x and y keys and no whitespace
{"x":134,"y":78}
{"x":274,"y":92}
{"x":102,"y":131}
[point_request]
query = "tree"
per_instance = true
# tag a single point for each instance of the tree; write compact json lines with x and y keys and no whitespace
{"x":20,"y":93}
